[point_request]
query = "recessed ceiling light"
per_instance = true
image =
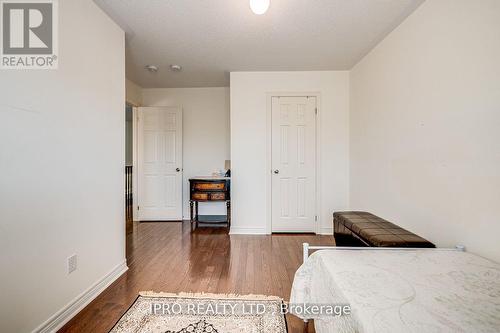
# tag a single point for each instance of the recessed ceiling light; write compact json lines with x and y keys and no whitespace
{"x":259,"y":7}
{"x":152,"y":68}
{"x":175,"y":68}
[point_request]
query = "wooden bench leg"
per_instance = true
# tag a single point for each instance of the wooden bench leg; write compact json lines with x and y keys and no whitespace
{"x":228,"y":212}
{"x":191,"y":217}
{"x":196,"y":213}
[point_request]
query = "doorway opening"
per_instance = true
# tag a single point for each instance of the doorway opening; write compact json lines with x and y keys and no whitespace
{"x":129,"y":168}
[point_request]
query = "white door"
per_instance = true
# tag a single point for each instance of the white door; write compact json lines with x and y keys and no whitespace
{"x":294,"y":164}
{"x":159,"y":161}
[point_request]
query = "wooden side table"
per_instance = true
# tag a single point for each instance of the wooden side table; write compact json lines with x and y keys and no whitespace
{"x":207,"y":189}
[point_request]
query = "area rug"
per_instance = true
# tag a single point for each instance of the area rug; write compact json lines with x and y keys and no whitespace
{"x":202,"y":313}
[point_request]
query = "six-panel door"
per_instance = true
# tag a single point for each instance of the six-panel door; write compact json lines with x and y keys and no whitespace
{"x":160,"y":163}
{"x":294,"y":164}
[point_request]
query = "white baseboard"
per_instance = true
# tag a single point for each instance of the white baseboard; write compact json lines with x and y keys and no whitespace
{"x":76,"y":305}
{"x":247,"y":231}
{"x":326,"y":231}
{"x":262,"y":231}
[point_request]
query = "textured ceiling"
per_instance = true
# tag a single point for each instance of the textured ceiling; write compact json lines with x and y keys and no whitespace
{"x":210,"y":38}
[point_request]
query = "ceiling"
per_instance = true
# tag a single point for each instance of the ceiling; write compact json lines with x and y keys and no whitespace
{"x":210,"y":38}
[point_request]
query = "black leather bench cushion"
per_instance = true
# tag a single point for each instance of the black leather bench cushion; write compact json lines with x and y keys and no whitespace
{"x":375,"y":231}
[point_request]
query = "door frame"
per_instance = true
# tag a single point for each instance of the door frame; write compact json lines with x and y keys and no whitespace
{"x":269,"y":203}
{"x":135,"y":159}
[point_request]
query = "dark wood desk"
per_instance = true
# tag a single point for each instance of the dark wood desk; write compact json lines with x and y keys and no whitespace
{"x":207,"y":189}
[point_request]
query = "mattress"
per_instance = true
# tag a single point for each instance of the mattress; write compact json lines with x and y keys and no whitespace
{"x":427,"y":290}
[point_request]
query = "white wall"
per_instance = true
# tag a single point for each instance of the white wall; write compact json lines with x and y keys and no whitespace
{"x":425,"y":120}
{"x":249,"y":142}
{"x":62,"y":162}
{"x":205,"y":133}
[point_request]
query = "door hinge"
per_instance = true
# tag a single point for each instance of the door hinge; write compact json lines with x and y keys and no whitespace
{"x":316,"y":218}
{"x":137,"y":207}
{"x":316,"y":110}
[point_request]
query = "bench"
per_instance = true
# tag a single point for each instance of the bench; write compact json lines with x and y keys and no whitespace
{"x":365,"y":229}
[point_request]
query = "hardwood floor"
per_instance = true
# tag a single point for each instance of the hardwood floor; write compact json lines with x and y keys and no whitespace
{"x":166,"y":256}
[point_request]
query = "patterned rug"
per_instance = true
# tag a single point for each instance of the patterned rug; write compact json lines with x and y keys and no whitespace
{"x":202,"y":313}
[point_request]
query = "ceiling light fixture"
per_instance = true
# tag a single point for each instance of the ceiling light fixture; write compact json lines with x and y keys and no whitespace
{"x":259,"y":7}
{"x":175,"y":68}
{"x":152,"y":68}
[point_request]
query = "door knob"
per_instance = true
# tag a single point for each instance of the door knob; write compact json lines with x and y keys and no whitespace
{"x":276,"y":171}
{"x":178,"y":169}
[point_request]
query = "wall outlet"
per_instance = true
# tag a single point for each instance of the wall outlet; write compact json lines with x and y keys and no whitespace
{"x":72,"y":263}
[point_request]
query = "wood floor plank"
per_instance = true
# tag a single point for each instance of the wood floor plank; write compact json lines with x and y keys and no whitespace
{"x":166,"y":256}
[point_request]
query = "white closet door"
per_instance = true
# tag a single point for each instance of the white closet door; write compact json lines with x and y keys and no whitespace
{"x":160,"y":163}
{"x":294,"y":164}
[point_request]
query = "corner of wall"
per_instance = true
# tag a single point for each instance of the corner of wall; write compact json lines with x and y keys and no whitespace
{"x":133,"y":94}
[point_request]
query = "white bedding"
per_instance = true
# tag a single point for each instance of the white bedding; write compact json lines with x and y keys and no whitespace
{"x":401,"y":291}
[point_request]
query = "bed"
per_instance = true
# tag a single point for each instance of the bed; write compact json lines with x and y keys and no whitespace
{"x":400,"y":290}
